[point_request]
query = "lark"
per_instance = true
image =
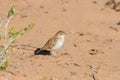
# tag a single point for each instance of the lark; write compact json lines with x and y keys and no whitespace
{"x":54,"y":43}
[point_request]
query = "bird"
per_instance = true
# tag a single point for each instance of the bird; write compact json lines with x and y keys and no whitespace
{"x":54,"y":43}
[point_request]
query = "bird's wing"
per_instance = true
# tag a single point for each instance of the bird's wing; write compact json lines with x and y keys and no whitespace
{"x":50,"y":43}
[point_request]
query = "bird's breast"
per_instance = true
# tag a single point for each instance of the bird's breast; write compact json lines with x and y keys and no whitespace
{"x":58,"y":43}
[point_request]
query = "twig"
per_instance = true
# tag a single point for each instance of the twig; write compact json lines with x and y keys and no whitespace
{"x":1,"y":23}
{"x":5,"y":48}
{"x":6,"y":29}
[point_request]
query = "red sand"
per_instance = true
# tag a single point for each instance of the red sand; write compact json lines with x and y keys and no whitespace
{"x":91,"y":50}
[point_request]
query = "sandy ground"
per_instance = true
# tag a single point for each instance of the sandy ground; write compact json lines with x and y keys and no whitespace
{"x":91,"y":49}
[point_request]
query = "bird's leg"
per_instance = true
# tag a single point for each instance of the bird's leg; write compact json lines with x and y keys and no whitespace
{"x":54,"y":54}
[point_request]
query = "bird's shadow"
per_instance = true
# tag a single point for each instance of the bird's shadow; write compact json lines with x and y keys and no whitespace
{"x":38,"y":52}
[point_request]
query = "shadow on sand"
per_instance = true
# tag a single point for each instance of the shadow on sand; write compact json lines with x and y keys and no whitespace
{"x":38,"y":52}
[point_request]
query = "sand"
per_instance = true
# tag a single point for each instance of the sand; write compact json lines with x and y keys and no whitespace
{"x":91,"y":49}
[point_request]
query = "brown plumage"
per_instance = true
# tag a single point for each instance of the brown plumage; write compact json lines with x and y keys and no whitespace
{"x":55,"y":42}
